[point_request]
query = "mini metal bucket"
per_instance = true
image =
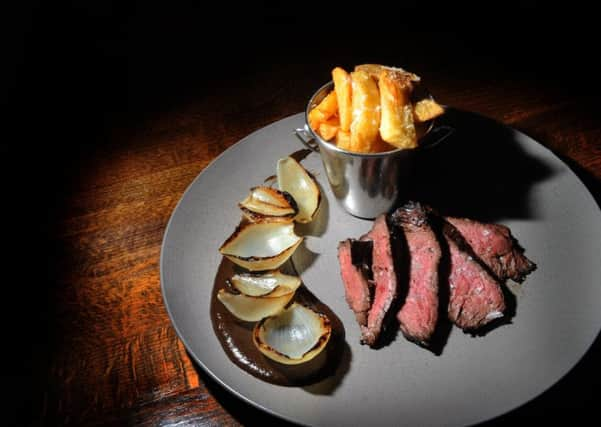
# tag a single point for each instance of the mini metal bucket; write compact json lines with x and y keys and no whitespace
{"x":368,"y":184}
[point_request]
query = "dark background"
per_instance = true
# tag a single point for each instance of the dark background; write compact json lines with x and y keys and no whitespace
{"x":74,"y":69}
{"x":72,"y":72}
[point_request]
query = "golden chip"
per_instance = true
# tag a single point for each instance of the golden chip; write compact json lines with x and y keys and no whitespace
{"x":366,"y":112}
{"x":396,"y":125}
{"x":426,"y":109}
{"x":343,"y":88}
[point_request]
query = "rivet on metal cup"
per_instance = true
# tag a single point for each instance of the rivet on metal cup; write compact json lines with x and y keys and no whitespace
{"x":367,"y":184}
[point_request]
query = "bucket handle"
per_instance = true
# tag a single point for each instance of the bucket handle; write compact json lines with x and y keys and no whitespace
{"x":305,"y":137}
{"x":437,"y":135}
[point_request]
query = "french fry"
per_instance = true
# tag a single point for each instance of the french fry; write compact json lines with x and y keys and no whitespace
{"x":343,"y":139}
{"x":396,"y":125}
{"x":366,"y":112}
{"x":343,"y":89}
{"x":329,"y":105}
{"x":316,"y":117}
{"x":334,"y":120}
{"x":426,"y":109}
{"x":329,"y":128}
{"x":374,"y":71}
{"x":323,"y":111}
{"x":370,"y":110}
{"x":327,"y":131}
{"x":381,"y":146}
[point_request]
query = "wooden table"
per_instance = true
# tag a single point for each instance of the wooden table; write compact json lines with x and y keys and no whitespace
{"x":124,"y":121}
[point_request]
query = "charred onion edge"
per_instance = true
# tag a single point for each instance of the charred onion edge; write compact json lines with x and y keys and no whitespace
{"x":253,"y":258}
{"x":255,"y":217}
{"x":287,"y":196}
{"x":285,"y":298}
{"x":250,"y":263}
{"x":239,"y":229}
{"x":255,"y":263}
{"x":319,"y":345}
{"x":258,"y":297}
{"x":316,"y":186}
{"x":231,"y":287}
{"x":318,"y":192}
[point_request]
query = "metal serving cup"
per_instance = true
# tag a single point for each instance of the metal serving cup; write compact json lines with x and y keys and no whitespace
{"x":367,"y":185}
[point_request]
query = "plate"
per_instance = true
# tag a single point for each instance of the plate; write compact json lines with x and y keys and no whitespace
{"x":486,"y":171}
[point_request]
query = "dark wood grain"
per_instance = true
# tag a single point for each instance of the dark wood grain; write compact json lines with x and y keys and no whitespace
{"x":119,"y":108}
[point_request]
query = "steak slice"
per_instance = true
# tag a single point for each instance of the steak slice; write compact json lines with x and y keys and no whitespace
{"x":384,"y":279}
{"x":475,"y":296}
{"x":356,"y":285}
{"x":496,"y":247}
{"x":419,"y":312}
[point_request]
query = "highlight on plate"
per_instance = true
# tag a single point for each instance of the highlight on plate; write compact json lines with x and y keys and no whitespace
{"x":287,"y":332}
{"x":372,"y":109}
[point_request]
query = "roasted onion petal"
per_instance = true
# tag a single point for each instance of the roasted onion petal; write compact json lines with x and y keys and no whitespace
{"x":257,"y":217}
{"x":251,"y":309}
{"x":261,"y":246}
{"x":268,"y":202}
{"x":270,"y":284}
{"x":295,"y":335}
{"x":293,"y":178}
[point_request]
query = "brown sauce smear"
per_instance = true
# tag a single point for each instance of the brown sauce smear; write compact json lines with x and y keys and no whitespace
{"x":235,"y":337}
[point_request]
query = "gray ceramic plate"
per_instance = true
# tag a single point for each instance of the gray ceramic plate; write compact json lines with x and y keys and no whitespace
{"x":498,"y":174}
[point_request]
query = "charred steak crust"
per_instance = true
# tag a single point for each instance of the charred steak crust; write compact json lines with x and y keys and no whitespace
{"x":418,"y":314}
{"x":475,"y":296}
{"x":361,"y":257}
{"x":356,"y":286}
{"x":385,"y":280}
{"x":496,"y":247}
